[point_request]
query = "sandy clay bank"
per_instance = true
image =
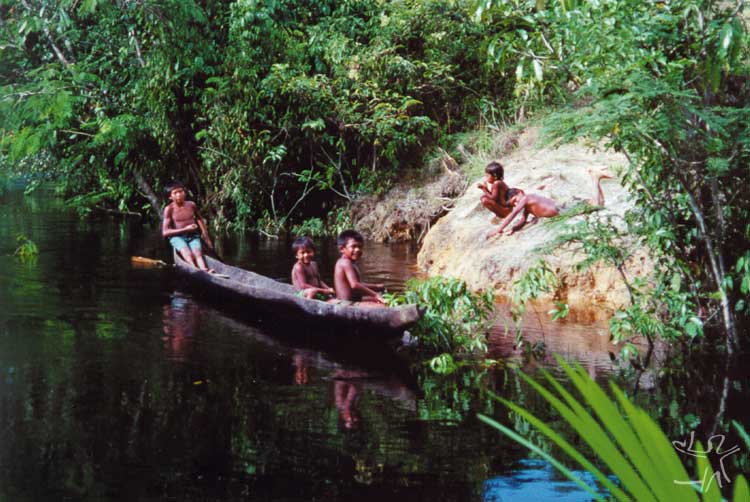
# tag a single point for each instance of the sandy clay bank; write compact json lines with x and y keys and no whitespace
{"x":455,"y":246}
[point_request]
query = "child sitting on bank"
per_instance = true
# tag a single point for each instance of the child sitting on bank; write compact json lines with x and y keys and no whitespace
{"x":346,"y":276}
{"x":305,"y":274}
{"x":185,"y":227}
{"x":495,"y":190}
{"x":536,"y":205}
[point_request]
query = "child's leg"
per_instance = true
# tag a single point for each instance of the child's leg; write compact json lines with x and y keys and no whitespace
{"x":494,"y":207}
{"x":520,"y":206}
{"x":197,"y":250}
{"x":181,"y":246}
{"x":187,"y":255}
{"x":596,"y":176}
{"x":310,"y":293}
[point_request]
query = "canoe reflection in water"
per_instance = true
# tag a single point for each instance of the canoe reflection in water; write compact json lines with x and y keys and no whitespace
{"x":349,"y":383}
{"x":180,"y":317}
{"x":345,"y":391}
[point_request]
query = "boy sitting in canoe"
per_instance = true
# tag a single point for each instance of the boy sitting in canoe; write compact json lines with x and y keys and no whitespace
{"x":184,"y":227}
{"x":346,"y":276}
{"x":536,"y":205}
{"x":305,"y":274}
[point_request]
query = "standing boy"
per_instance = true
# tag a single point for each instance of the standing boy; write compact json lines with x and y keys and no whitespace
{"x":495,"y":189}
{"x":346,"y":276}
{"x":184,"y":227}
{"x":305,"y":274}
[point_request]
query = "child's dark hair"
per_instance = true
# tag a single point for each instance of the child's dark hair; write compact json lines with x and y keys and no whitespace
{"x":171,"y":185}
{"x":348,"y":235}
{"x":303,"y":242}
{"x":512,"y":192}
{"x":495,"y":169}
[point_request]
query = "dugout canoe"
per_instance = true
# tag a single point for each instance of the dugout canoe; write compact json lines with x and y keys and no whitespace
{"x":262,"y":293}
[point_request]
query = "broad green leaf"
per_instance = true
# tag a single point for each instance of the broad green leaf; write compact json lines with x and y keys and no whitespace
{"x":725,"y":39}
{"x":538,"y":72}
{"x":706,"y":477}
{"x":741,"y":491}
{"x":532,"y":447}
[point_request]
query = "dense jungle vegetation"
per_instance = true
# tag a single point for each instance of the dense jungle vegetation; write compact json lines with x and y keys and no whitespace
{"x":278,"y":110}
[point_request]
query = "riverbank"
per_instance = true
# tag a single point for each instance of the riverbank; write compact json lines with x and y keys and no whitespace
{"x":453,"y":224}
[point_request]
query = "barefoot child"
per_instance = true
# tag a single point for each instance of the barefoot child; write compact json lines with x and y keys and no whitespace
{"x":305,"y":274}
{"x":597,"y":175}
{"x":184,"y":227}
{"x":494,"y":189}
{"x":346,"y":277}
{"x":536,"y":205}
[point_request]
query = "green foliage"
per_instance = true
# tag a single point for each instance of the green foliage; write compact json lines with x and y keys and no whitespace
{"x":456,"y":320}
{"x":337,"y":221}
{"x":5,"y":181}
{"x":623,"y":437}
{"x":270,"y":106}
{"x":93,"y":94}
{"x":314,"y":227}
{"x":27,"y":251}
{"x":538,"y":279}
{"x":666,"y":84}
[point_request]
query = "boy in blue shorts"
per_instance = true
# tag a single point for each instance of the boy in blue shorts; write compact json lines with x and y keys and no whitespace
{"x":184,"y":227}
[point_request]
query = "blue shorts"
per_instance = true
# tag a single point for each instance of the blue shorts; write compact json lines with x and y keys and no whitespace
{"x":180,"y":242}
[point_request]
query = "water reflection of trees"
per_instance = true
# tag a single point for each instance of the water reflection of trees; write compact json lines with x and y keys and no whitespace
{"x":222,"y":413}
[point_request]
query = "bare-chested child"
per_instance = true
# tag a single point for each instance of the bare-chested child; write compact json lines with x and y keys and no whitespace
{"x":184,"y":226}
{"x":494,"y":190}
{"x":346,"y":276}
{"x":542,"y":207}
{"x":530,"y":204}
{"x":305,"y":273}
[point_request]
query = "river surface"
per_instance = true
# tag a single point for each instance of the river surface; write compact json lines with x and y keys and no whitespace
{"x":116,"y":384}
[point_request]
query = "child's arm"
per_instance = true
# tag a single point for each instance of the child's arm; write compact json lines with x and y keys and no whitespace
{"x":325,"y":288}
{"x":301,"y":281}
{"x":375,"y":286}
{"x":167,"y":225}
{"x":299,"y":278}
{"x":204,"y":228}
{"x":520,"y":205}
{"x":360,"y":287}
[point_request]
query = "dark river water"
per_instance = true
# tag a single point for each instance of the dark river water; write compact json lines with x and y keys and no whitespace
{"x":116,"y":384}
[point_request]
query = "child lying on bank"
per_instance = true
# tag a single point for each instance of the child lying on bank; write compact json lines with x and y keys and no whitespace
{"x":305,"y":274}
{"x":542,"y":207}
{"x":536,"y":205}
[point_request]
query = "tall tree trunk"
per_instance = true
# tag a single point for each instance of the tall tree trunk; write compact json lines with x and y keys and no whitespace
{"x":148,"y":192}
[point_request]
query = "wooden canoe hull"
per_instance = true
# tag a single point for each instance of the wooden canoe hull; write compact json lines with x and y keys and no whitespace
{"x":265,"y":294}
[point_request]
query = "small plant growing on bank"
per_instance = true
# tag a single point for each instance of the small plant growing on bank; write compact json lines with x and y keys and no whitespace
{"x":456,"y":319}
{"x":338,"y":220}
{"x":314,"y":227}
{"x":27,"y":250}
